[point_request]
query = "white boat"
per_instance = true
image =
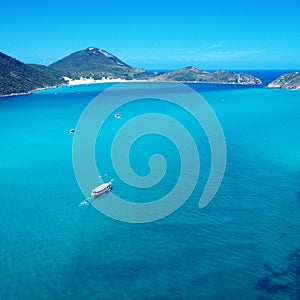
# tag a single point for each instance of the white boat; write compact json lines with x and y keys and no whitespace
{"x":101,"y":189}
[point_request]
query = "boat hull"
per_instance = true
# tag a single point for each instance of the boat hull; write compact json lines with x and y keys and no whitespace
{"x":101,"y":189}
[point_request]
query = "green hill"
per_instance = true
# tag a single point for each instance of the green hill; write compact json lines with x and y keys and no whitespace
{"x":17,"y":77}
{"x":192,"y":74}
{"x":96,"y":63}
{"x":290,"y":81}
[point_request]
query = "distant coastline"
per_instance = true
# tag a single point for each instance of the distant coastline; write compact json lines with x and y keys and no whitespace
{"x":96,"y":66}
{"x":88,"y":81}
{"x":31,"y":92}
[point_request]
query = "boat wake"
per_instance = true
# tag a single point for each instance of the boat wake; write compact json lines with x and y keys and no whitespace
{"x":85,"y":202}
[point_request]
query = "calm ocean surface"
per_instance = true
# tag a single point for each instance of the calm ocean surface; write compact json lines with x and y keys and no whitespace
{"x":244,"y":245}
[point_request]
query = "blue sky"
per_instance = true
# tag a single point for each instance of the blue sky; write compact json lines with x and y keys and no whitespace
{"x":157,"y":34}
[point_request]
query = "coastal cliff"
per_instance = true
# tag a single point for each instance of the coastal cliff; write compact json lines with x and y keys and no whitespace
{"x":290,"y":81}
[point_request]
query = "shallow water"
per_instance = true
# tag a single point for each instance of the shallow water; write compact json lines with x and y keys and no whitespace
{"x":232,"y":249}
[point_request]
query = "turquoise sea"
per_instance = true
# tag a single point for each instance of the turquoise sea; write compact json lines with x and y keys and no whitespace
{"x":244,"y":245}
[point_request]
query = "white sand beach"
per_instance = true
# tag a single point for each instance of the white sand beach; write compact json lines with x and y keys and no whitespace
{"x":83,"y":80}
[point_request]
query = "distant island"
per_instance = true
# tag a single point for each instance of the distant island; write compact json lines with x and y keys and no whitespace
{"x":97,"y":65}
{"x":289,"y":81}
{"x":192,"y":74}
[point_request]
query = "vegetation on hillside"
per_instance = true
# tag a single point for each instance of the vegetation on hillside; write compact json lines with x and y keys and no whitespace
{"x":192,"y":74}
{"x":17,"y":77}
{"x":96,"y":63}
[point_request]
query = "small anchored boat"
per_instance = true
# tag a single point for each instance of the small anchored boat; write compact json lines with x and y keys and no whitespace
{"x":118,"y":116}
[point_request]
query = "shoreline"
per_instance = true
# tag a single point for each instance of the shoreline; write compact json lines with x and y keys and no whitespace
{"x":32,"y":91}
{"x":87,"y":81}
{"x":78,"y":82}
{"x":71,"y":83}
